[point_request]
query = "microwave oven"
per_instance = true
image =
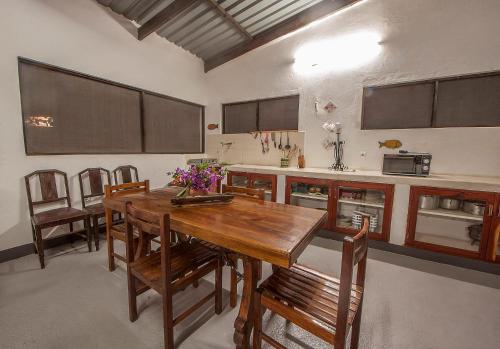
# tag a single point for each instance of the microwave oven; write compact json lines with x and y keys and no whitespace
{"x":407,"y":164}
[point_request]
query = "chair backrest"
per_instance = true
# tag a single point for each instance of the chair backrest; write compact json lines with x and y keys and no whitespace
{"x":149,"y":224}
{"x":126,"y":188}
{"x":128,"y":174}
{"x":94,"y":176}
{"x":251,"y":193}
{"x":354,"y":253}
{"x":48,"y":188}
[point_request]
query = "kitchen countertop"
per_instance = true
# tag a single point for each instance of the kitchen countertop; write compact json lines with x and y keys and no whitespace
{"x":434,"y":180}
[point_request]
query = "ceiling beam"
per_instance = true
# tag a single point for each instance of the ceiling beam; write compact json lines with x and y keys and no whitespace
{"x":292,"y":24}
{"x":165,"y":15}
{"x":229,"y":18}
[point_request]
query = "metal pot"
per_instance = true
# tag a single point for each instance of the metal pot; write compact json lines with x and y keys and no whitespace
{"x":449,"y":203}
{"x":475,"y":233}
{"x":428,"y":202}
{"x":474,"y":207}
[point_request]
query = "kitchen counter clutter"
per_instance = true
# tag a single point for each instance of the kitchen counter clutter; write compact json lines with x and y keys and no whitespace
{"x":434,"y":180}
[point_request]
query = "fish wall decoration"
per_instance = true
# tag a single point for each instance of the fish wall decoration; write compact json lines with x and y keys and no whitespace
{"x":390,"y":143}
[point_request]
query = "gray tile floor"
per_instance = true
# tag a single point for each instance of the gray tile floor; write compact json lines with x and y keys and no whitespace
{"x":76,"y":303}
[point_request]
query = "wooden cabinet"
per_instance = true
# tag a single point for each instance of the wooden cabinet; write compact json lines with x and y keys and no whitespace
{"x":343,"y":200}
{"x":493,"y":253}
{"x":254,"y":180}
{"x":456,"y":222}
{"x":374,"y":199}
{"x":310,"y":192}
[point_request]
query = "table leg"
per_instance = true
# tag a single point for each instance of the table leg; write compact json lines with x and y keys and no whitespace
{"x":244,"y":322}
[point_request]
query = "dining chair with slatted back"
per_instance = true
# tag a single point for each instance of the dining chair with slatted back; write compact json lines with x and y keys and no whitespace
{"x":169,"y":270}
{"x":127,"y":174}
{"x":117,"y":231}
{"x":236,"y":276}
{"x":320,"y":304}
{"x":54,"y":217}
{"x":94,"y":177}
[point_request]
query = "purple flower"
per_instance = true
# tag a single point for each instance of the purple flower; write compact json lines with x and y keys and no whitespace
{"x":198,"y":177}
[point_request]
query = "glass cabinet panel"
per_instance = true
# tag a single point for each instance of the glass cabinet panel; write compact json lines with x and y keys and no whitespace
{"x":266,"y":184}
{"x":353,"y":203}
{"x":309,"y":195}
{"x":239,"y":180}
{"x":450,"y":221}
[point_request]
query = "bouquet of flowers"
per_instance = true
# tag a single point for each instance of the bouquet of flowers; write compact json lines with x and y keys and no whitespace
{"x":197,"y":178}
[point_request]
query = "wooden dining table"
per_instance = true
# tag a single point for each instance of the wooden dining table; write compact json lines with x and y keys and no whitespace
{"x":256,"y":230}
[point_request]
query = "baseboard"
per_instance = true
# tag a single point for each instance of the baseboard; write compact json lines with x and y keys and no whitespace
{"x":492,"y":268}
{"x":27,"y":249}
{"x":468,"y":263}
{"x":16,"y":252}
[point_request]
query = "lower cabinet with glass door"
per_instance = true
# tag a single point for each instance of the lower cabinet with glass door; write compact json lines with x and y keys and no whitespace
{"x":254,"y":180}
{"x":456,"y":222}
{"x":353,"y":200}
{"x":310,"y":192}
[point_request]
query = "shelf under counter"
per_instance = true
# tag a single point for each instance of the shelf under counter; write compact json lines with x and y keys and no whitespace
{"x":319,"y":197}
{"x":453,"y":214}
{"x":446,"y":241}
{"x":362,"y":203}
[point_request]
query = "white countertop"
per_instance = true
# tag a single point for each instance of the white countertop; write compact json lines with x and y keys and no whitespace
{"x":434,"y":180}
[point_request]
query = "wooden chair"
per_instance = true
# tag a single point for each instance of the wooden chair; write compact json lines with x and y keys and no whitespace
{"x":127,"y":173}
{"x":53,"y":217}
{"x":315,"y":301}
{"x":236,"y":277}
{"x":118,"y":231}
{"x":169,"y":270}
{"x":95,"y":210}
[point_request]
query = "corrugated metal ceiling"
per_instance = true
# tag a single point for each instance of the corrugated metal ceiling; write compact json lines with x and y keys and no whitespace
{"x":202,"y":29}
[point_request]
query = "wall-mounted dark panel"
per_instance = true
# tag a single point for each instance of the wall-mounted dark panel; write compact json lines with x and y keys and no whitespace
{"x":240,"y":117}
{"x":398,"y":106}
{"x":279,"y":113}
{"x":172,"y":126}
{"x":271,"y":114}
{"x":69,"y":114}
{"x":473,"y":101}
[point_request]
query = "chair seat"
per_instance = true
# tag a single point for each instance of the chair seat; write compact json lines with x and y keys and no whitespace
{"x":58,"y":216}
{"x":311,"y":292}
{"x":185,"y":257}
{"x":95,"y":210}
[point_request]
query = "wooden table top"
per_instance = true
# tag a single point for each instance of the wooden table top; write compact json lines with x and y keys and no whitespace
{"x":268,"y":231}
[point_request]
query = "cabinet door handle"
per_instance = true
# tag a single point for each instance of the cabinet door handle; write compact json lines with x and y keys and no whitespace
{"x":490,"y":210}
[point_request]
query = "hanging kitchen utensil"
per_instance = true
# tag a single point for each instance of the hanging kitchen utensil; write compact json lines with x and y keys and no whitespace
{"x":273,"y":138}
{"x":266,"y":142}
{"x":262,"y":143}
{"x":281,"y":136}
{"x":287,"y":146}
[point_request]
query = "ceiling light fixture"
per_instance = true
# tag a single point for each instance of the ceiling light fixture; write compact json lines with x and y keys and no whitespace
{"x":340,"y":53}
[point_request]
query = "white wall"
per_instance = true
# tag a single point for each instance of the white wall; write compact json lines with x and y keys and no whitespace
{"x":83,"y":36}
{"x":419,"y":40}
